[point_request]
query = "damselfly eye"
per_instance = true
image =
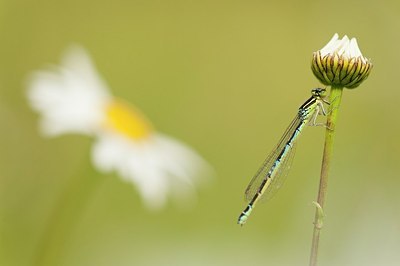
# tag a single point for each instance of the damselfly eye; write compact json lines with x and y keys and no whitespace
{"x":318,"y":91}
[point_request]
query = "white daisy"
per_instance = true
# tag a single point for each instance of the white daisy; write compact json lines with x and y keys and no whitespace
{"x":72,"y":98}
{"x":341,"y":63}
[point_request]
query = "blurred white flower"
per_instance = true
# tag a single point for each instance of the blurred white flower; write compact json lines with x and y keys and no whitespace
{"x":72,"y":98}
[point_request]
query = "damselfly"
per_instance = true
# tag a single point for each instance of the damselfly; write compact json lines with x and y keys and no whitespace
{"x":273,"y":171}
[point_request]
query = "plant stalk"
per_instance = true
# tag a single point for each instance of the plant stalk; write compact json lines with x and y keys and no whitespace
{"x":64,"y":217}
{"x":334,"y":99}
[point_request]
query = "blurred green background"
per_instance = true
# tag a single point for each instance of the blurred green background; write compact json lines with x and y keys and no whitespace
{"x":226,"y":77}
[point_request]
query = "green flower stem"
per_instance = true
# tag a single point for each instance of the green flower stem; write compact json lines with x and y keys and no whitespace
{"x":334,"y":99}
{"x":64,"y":217}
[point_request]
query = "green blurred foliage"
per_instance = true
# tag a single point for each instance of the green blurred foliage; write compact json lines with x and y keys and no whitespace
{"x":226,"y":77}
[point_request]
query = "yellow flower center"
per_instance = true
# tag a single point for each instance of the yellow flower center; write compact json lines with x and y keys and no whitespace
{"x":127,"y":120}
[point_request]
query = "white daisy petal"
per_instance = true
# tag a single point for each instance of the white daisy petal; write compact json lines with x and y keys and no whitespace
{"x":70,"y":98}
{"x":330,"y":45}
{"x":156,"y":166}
{"x":190,"y":162}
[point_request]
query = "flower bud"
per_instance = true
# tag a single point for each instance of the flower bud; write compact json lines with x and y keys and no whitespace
{"x":340,"y":63}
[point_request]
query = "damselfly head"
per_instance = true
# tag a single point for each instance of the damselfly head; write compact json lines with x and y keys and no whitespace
{"x":318,"y":92}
